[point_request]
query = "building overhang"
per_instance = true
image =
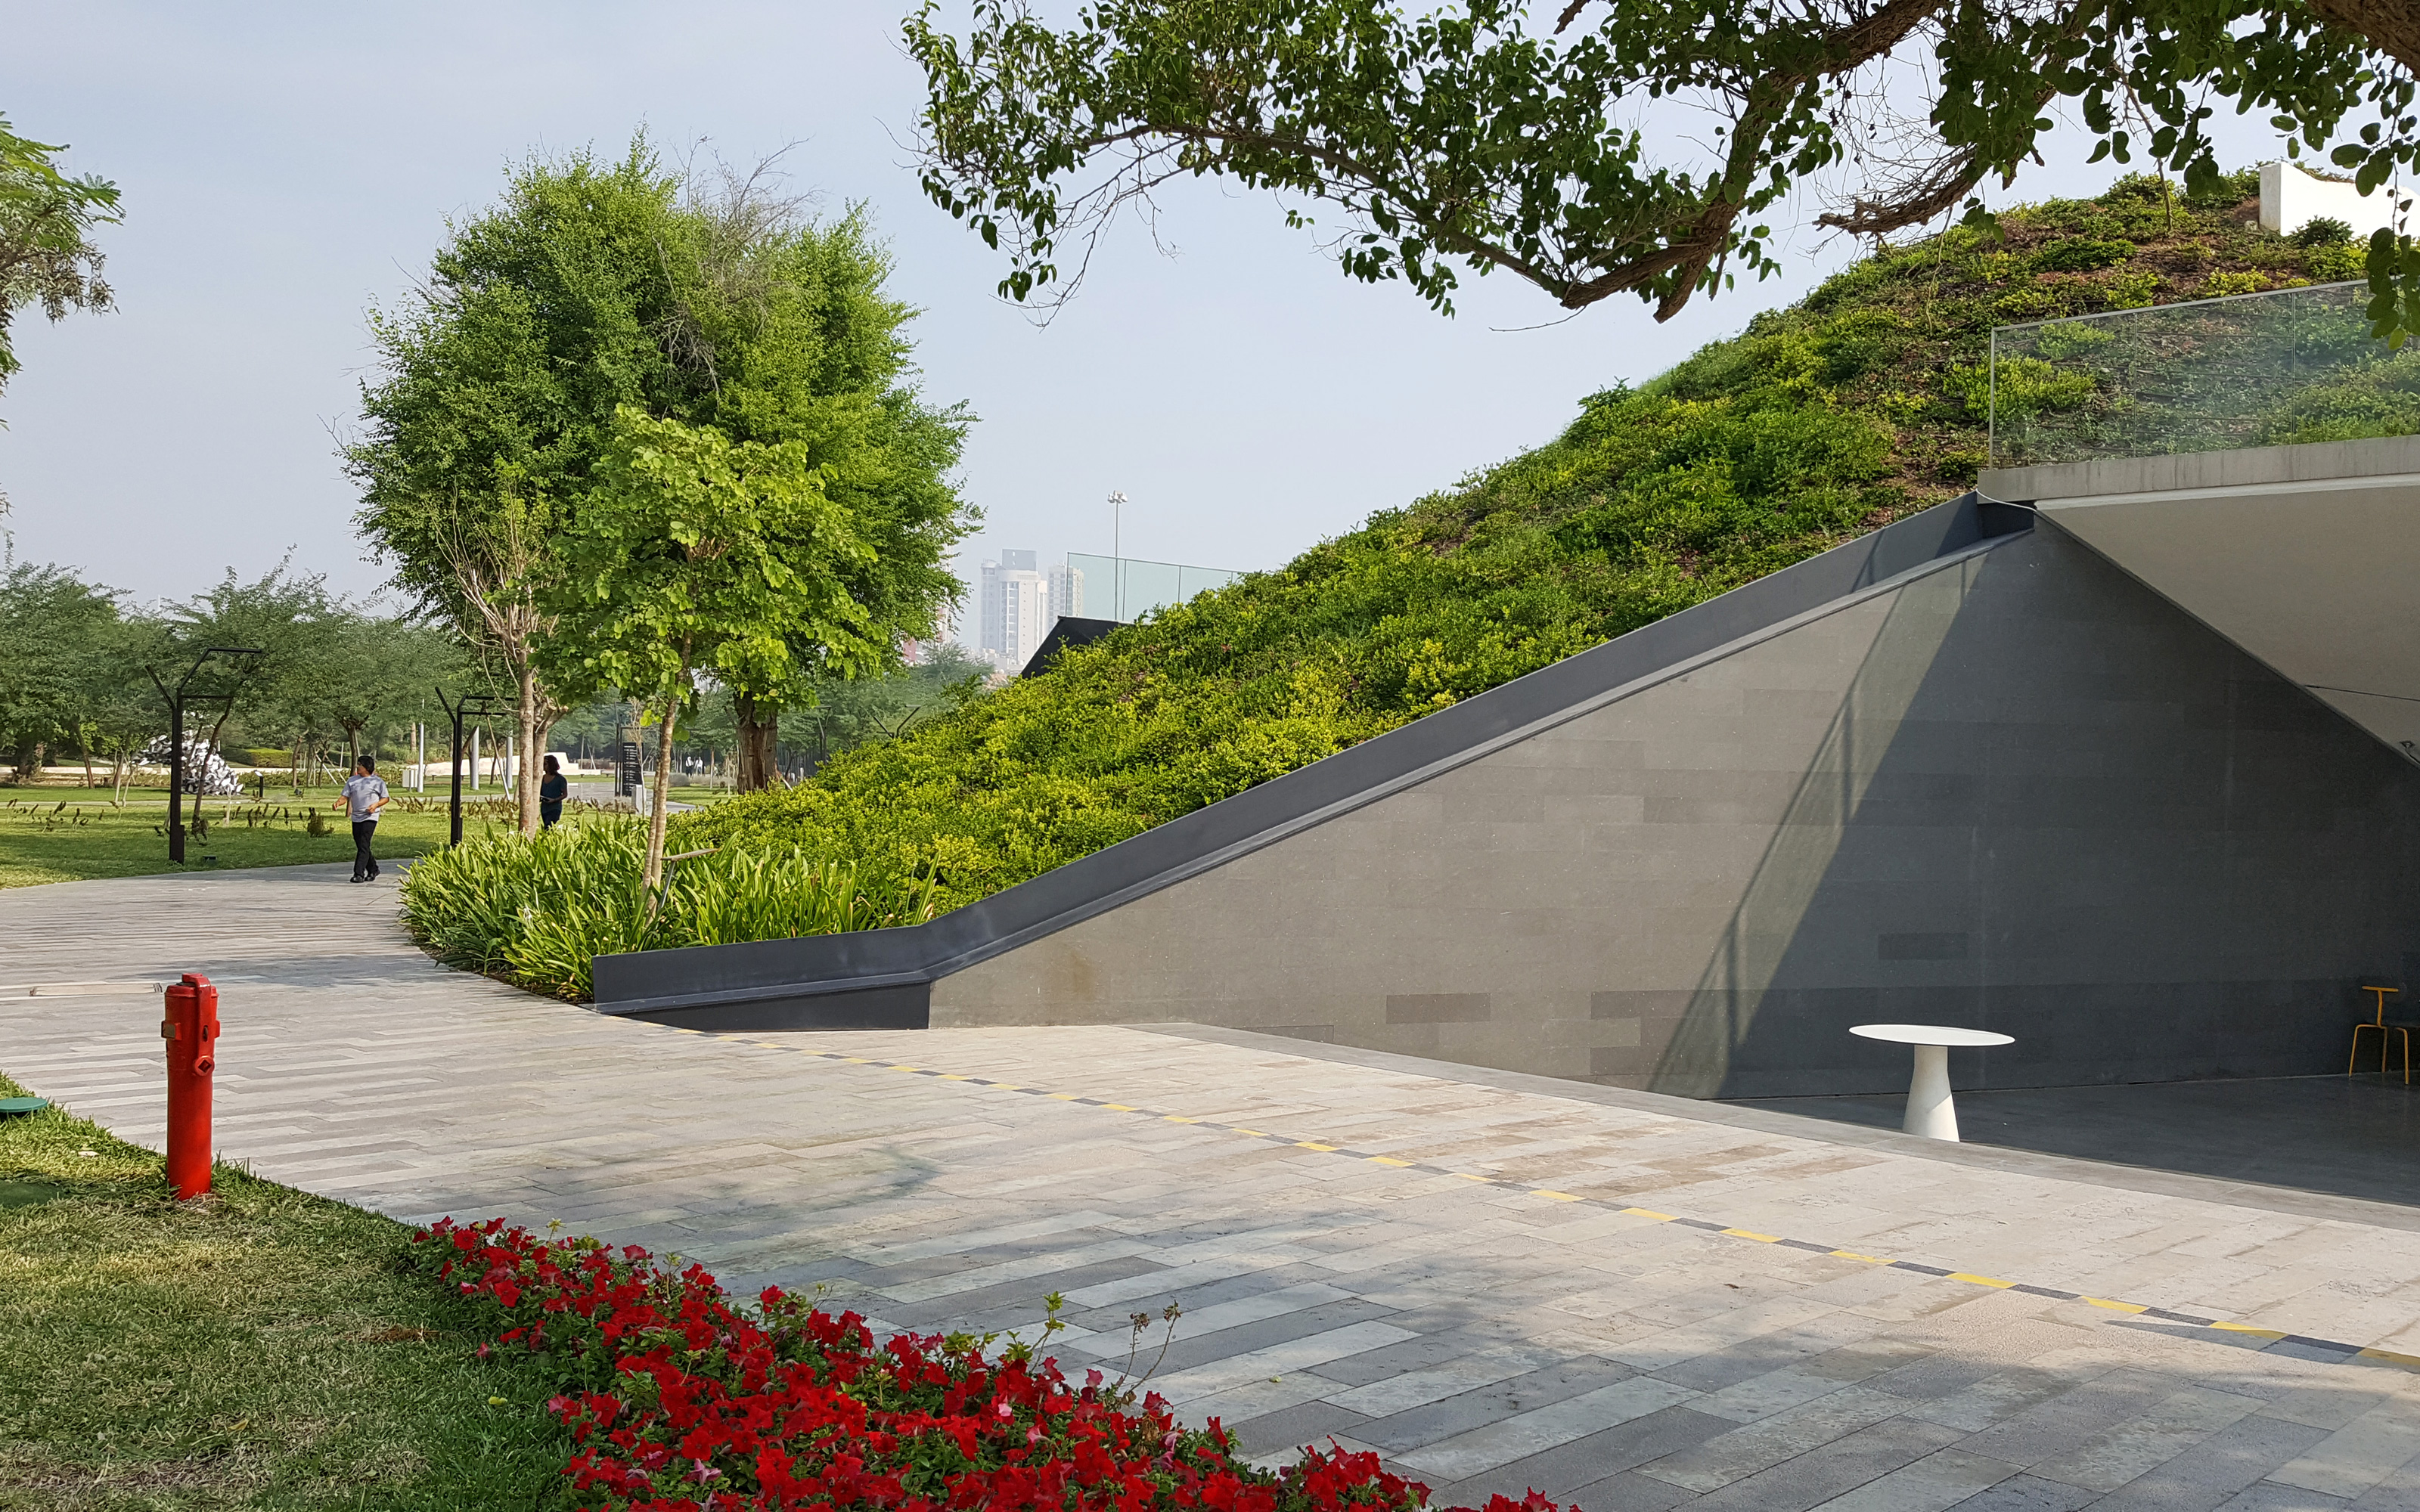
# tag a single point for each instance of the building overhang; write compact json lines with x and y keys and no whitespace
{"x":2307,"y":556}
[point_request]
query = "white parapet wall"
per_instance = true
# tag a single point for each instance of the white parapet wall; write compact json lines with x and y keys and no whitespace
{"x":2292,"y":199}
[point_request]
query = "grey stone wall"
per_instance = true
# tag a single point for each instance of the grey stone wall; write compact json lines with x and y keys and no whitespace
{"x":2021,"y":793}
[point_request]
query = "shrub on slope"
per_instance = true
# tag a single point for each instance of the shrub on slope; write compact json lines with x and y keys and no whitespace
{"x":1861,"y":404}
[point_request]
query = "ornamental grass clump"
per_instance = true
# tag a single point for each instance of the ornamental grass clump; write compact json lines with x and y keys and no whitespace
{"x":537,"y":910}
{"x":679,"y":1402}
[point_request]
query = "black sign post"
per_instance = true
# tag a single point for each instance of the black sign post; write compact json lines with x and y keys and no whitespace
{"x":489,"y":706}
{"x":177,"y":698}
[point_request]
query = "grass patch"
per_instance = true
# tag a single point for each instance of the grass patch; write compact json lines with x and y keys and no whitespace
{"x":75,"y":834}
{"x":264,"y":1349}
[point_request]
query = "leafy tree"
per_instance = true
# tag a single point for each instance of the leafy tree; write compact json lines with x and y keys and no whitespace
{"x":845,"y":714}
{"x":378,"y":672}
{"x":119,"y":713}
{"x":54,"y":626}
{"x":46,"y":253}
{"x":288,"y":617}
{"x":538,"y":317}
{"x":817,"y":354}
{"x":1460,"y":140}
{"x":694,"y":553}
{"x":597,"y":284}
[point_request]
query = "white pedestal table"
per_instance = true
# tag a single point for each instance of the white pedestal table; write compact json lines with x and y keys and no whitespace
{"x":1930,"y":1111}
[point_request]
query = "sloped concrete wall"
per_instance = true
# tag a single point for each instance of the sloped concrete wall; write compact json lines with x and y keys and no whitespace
{"x":2020,"y":792}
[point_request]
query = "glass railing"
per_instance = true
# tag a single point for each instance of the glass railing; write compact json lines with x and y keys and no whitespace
{"x":2272,"y":369}
{"x":1121,"y":588}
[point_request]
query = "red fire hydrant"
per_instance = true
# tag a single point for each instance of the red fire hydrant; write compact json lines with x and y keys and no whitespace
{"x":189,"y":1028}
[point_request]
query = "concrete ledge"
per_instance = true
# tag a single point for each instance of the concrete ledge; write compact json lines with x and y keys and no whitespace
{"x":2378,"y":456}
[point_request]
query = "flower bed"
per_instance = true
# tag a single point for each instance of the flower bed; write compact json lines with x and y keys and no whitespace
{"x":679,"y":1402}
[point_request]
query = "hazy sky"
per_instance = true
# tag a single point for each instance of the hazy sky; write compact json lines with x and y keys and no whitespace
{"x":285,"y":166}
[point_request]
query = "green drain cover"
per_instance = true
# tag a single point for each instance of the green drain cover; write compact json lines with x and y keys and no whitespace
{"x":20,"y":1104}
{"x":26,"y":1193}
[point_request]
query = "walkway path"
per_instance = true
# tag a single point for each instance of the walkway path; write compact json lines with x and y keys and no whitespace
{"x":1498,"y":1282}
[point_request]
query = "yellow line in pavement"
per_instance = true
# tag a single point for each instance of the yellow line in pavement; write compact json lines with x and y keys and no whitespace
{"x":2406,"y":1362}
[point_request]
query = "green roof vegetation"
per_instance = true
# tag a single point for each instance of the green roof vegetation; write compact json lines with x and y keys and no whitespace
{"x":1859,"y":405}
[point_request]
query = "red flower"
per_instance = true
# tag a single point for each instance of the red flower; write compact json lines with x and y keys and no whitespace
{"x":793,"y":1408}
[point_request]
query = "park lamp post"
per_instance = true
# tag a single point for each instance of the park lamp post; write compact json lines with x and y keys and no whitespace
{"x":489,"y":705}
{"x":177,"y":698}
{"x":1118,"y":551}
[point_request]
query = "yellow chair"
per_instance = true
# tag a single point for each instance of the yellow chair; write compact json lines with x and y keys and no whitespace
{"x":2385,"y":1029}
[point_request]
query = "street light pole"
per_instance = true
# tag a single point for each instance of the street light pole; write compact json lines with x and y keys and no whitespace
{"x":453,"y":753}
{"x":176,"y":700}
{"x":1117,"y":550}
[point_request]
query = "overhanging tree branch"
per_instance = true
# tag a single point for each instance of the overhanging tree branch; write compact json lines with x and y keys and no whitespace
{"x":1460,"y":140}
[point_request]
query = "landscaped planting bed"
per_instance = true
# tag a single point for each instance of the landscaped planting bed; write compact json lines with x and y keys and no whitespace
{"x":680,"y":1401}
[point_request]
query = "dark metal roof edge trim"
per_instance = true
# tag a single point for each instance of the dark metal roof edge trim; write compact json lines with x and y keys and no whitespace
{"x":1208,"y":837}
{"x":626,"y":1007}
{"x":1386,"y":788}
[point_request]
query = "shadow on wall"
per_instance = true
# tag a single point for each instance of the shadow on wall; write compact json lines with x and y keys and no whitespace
{"x":2054,"y":806}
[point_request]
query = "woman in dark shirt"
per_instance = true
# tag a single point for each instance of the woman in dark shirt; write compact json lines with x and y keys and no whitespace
{"x":552,"y":790}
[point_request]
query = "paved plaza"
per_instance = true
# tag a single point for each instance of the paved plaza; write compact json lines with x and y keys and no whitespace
{"x":1498,"y":1282}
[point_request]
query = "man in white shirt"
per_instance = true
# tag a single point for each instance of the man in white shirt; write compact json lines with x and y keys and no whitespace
{"x":365,"y":795}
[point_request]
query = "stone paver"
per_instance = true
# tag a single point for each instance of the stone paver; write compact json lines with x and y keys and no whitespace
{"x":1432,"y":1262}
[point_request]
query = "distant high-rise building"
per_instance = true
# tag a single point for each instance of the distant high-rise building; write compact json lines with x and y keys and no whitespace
{"x":1066,"y":590}
{"x":1016,"y":612}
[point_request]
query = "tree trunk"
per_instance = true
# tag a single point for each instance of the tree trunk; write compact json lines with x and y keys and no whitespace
{"x":525,"y":782}
{"x":655,"y":873}
{"x":759,"y":728}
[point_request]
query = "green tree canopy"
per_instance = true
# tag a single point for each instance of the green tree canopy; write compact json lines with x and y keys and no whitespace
{"x":696,"y":553}
{"x":594,"y":285}
{"x":289,"y":618}
{"x":55,"y":626}
{"x":1461,"y":140}
{"x":46,"y":222}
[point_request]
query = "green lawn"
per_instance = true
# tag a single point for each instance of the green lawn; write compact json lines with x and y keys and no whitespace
{"x":54,"y":834}
{"x":260,"y":1348}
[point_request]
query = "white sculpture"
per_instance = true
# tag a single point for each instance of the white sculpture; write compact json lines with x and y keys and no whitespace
{"x":206,"y":774}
